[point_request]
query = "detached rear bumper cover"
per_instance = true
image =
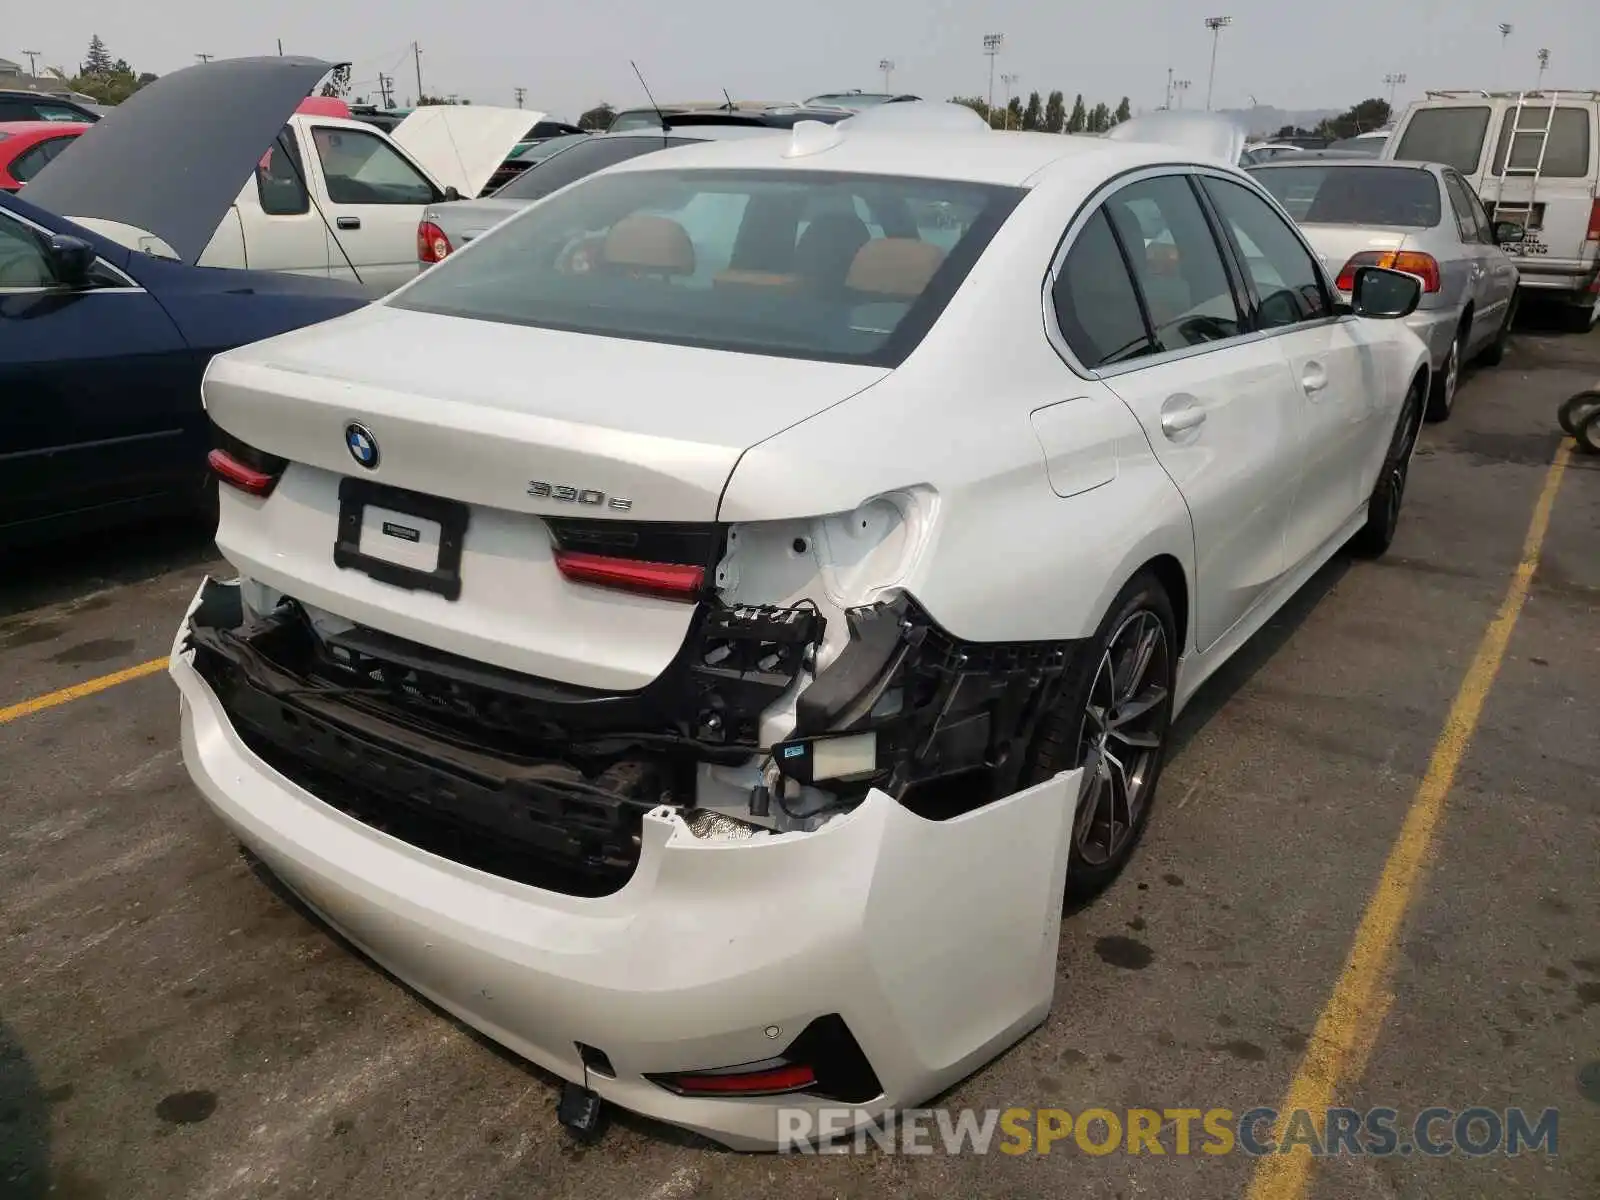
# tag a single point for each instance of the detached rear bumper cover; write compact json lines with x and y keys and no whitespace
{"x":934,"y":941}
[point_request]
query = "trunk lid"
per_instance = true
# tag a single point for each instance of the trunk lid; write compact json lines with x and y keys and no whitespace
{"x":461,"y":145}
{"x":1338,"y":244}
{"x":524,"y":428}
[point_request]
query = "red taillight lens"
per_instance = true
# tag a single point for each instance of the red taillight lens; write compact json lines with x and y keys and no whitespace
{"x":671,"y":581}
{"x":1413,"y":262}
{"x":432,"y":245}
{"x":240,"y":474}
{"x":758,"y":1079}
{"x":1594,"y":223}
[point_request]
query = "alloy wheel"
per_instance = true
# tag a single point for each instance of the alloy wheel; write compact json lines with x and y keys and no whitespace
{"x":1398,"y":467}
{"x":1452,"y":374}
{"x":1124,"y":731}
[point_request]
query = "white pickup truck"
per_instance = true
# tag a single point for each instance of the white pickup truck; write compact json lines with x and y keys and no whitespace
{"x":328,"y":195}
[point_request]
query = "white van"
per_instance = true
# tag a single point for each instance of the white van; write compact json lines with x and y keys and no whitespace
{"x":1550,"y":188}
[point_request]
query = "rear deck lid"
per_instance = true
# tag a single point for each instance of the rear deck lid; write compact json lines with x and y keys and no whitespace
{"x":516,"y":418}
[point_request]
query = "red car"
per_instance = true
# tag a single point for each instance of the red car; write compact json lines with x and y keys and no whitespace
{"x":26,"y":146}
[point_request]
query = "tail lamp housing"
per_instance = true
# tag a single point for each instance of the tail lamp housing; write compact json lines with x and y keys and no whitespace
{"x":433,"y":245}
{"x":242,"y":466}
{"x":1413,"y":262}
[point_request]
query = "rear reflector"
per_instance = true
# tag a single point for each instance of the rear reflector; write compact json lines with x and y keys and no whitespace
{"x":671,"y":581}
{"x":759,"y":1079}
{"x":241,"y":475}
{"x":1413,"y":262}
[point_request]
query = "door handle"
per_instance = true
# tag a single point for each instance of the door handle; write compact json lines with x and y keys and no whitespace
{"x":349,"y":222}
{"x":1180,"y":415}
{"x":1313,"y":379}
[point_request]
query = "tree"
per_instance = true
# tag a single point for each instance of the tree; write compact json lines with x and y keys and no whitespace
{"x":1078,"y":121}
{"x":598,"y":117}
{"x":1055,"y":113}
{"x":1368,"y":115}
{"x":1033,"y":114}
{"x":98,"y":61}
{"x":1013,"y":117}
{"x":1099,"y":119}
{"x":338,"y":84}
{"x":1123,"y":113}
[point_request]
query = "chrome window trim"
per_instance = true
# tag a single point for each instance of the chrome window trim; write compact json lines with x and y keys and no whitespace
{"x":1089,"y":207}
{"x":126,"y":288}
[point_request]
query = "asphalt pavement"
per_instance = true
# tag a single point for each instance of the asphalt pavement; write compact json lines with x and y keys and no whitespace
{"x":173,"y":1025}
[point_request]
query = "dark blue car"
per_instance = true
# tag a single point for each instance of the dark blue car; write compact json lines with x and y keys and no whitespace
{"x":102,"y":347}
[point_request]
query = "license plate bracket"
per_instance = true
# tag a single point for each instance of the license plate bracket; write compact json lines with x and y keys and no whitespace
{"x":449,"y":516}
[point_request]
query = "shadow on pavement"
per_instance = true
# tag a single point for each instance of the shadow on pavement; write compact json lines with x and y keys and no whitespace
{"x":49,"y":574}
{"x":24,"y":1125}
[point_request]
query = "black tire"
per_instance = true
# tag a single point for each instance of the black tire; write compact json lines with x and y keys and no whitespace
{"x":1575,"y":410}
{"x":1070,"y":734}
{"x":1494,"y":354}
{"x":1374,"y":538}
{"x":1442,"y":396}
{"x":1588,"y":433}
{"x":1581,"y":317}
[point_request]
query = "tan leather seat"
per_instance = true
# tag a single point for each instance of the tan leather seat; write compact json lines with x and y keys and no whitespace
{"x":899,"y":267}
{"x":649,"y":244}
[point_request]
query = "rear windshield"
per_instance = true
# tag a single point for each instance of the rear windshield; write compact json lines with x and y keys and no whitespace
{"x":634,"y":118}
{"x":1566,"y":154}
{"x":1328,"y":194}
{"x":572,"y":164}
{"x":1447,"y":135}
{"x":802,"y":264}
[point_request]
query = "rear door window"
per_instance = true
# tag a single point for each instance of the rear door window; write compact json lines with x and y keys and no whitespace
{"x":1452,"y":135}
{"x":1096,"y":306}
{"x":1176,"y":262}
{"x":1566,"y":154}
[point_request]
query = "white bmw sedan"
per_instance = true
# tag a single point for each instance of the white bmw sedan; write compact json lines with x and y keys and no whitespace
{"x":695,"y":633}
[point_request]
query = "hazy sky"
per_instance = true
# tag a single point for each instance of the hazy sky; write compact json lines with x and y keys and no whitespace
{"x":1290,"y":53}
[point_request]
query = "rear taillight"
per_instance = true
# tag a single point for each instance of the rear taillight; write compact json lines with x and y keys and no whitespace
{"x":243,"y":466}
{"x":671,"y":581}
{"x":432,"y":244}
{"x":241,"y":475}
{"x":667,"y":559}
{"x":1413,"y":262}
{"x":1594,"y":223}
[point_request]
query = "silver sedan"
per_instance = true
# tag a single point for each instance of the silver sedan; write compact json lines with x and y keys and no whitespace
{"x":1422,"y":218}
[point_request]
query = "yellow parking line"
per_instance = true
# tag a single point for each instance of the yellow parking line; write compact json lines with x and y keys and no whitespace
{"x":1349,"y":1024}
{"x":78,"y":690}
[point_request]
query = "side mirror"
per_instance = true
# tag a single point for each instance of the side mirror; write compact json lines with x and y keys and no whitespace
{"x":71,"y":260}
{"x":451,"y":193}
{"x":1384,"y":294}
{"x":1509,"y":232}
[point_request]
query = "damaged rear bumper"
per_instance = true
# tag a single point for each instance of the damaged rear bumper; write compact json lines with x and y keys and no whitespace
{"x":933,"y":942}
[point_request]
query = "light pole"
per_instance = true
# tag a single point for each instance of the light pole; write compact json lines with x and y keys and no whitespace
{"x":1216,"y":25}
{"x":521,"y":94}
{"x":205,"y":58}
{"x":1168,"y":104}
{"x":1009,"y":81}
{"x":33,"y":66}
{"x":1179,"y":87}
{"x":1544,"y":61}
{"x":991,"y":47}
{"x":1393,"y":81}
{"x":886,"y":65}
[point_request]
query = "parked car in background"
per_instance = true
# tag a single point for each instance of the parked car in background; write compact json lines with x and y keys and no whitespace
{"x":320,"y":195}
{"x":621,"y":656}
{"x":386,"y":119}
{"x":446,"y":228}
{"x":1549,"y":187}
{"x":543,"y":130}
{"x":26,"y":146}
{"x":40,"y":106}
{"x":102,"y":350}
{"x":1367,"y":144}
{"x":1421,"y":218}
{"x":856,"y":100}
{"x":1261,"y":152}
{"x":532,"y":156}
{"x":650,"y":116}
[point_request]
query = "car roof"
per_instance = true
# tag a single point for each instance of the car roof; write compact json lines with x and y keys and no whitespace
{"x":697,"y":132}
{"x":40,"y":128}
{"x":997,"y":157}
{"x":1322,"y":157}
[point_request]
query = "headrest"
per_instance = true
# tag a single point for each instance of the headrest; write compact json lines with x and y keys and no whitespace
{"x":648,"y":243}
{"x":894,"y":267}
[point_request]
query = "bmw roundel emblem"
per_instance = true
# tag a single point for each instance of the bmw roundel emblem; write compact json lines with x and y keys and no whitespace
{"x":362,"y":445}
